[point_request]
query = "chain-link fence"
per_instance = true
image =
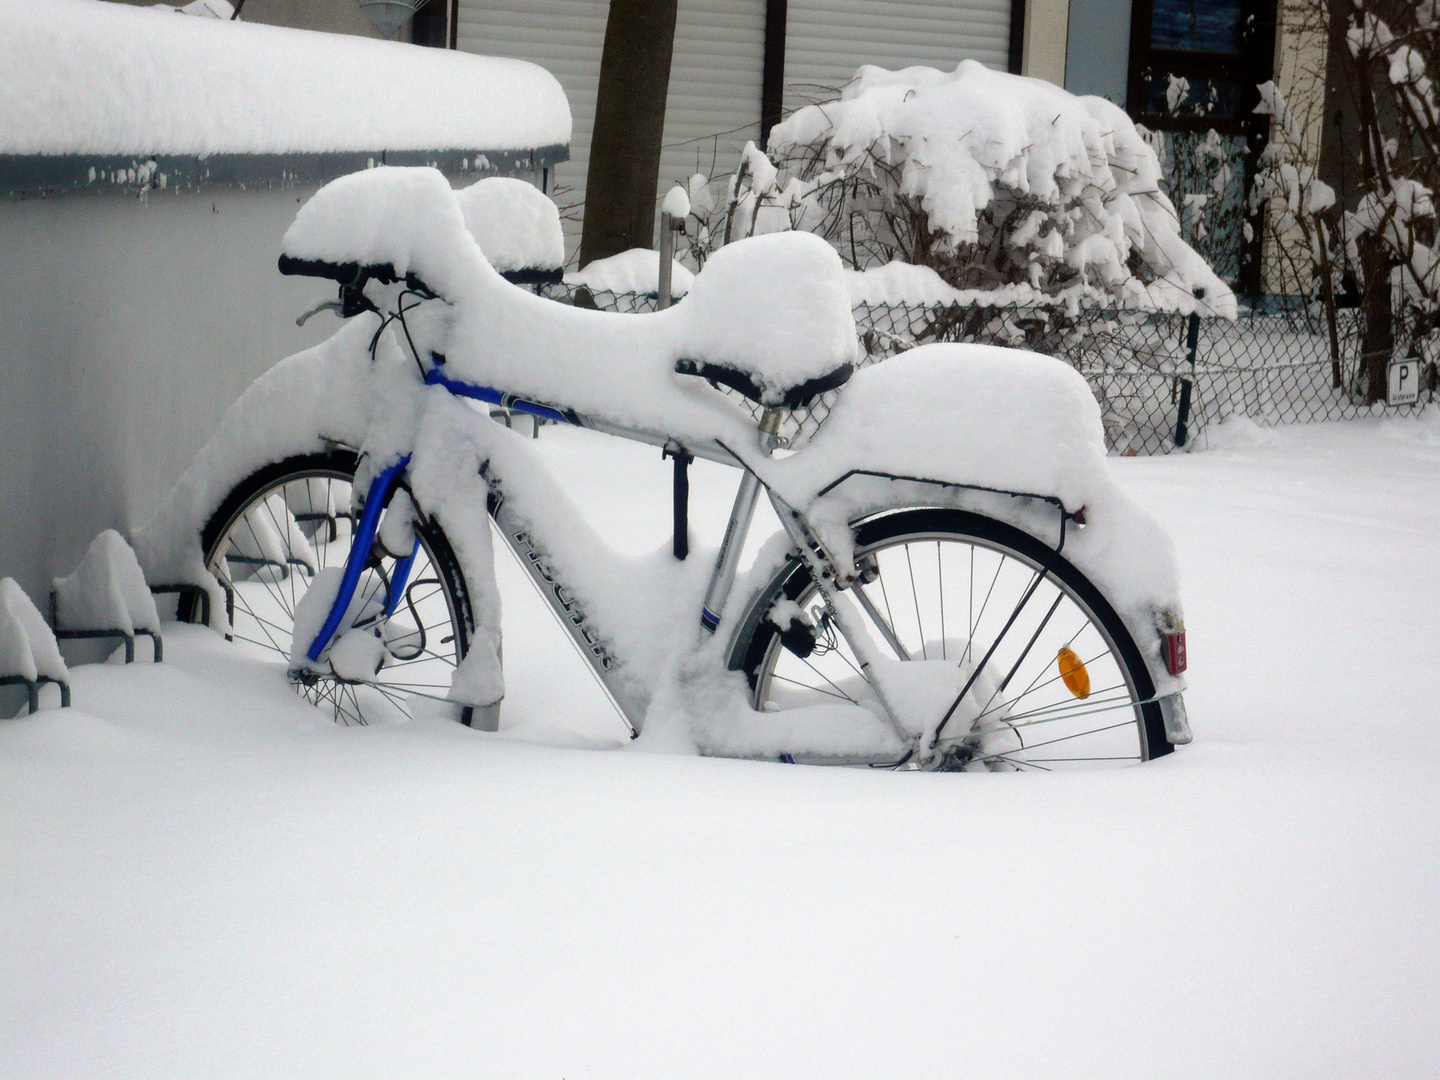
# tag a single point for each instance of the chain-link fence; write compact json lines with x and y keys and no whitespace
{"x":1156,"y":390}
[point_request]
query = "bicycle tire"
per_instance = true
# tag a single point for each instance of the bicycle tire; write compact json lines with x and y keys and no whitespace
{"x":271,"y":631}
{"x":760,"y":648}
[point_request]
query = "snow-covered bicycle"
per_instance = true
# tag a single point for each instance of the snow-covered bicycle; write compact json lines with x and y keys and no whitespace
{"x":958,"y":582}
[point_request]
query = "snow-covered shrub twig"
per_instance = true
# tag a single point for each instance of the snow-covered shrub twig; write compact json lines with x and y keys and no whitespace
{"x":994,"y":181}
{"x":1391,"y":54}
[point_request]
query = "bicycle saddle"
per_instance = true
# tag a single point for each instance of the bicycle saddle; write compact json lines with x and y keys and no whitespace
{"x":787,"y":397}
{"x":770,"y":318}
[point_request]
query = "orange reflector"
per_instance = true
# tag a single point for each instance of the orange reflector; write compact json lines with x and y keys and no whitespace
{"x":1073,"y":673}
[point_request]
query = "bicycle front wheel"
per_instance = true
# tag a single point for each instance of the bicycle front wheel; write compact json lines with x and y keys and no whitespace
{"x":288,"y":522}
{"x":1056,"y":680}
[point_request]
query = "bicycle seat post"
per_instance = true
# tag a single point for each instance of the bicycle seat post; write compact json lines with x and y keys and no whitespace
{"x":741,"y":514}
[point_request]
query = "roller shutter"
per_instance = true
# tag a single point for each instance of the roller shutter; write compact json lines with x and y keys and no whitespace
{"x":565,"y":37}
{"x":826,"y":40}
{"x":714,"y":97}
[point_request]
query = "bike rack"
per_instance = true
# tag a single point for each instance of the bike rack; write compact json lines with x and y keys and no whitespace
{"x":32,"y":689}
{"x":184,"y":592}
{"x":158,"y":651}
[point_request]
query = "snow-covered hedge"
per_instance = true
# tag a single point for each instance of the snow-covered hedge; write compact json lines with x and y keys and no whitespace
{"x":993,"y":180}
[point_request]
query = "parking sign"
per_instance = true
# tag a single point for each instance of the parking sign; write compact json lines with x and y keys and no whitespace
{"x":1404,"y":382}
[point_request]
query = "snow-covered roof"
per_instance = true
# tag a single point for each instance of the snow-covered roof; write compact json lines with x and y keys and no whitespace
{"x":88,"y":77}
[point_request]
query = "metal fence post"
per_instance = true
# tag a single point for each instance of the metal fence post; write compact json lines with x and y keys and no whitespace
{"x":1182,"y":415}
{"x":668,"y":226}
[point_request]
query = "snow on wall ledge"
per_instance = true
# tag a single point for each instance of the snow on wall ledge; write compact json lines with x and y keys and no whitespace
{"x":87,"y":77}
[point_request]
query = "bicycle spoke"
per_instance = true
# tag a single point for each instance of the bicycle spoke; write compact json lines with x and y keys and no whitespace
{"x":1014,"y":630}
{"x":915,"y":595}
{"x":817,"y":689}
{"x":940,"y":591}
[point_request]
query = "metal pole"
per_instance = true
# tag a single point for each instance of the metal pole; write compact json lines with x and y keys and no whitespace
{"x":681,"y":542}
{"x":1182,"y":416}
{"x":667,"y":258}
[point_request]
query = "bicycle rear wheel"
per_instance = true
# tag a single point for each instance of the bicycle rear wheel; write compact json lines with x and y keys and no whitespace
{"x":1055,"y":679}
{"x":291,"y":521}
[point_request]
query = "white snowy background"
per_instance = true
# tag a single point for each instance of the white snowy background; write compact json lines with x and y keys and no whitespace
{"x":204,"y":876}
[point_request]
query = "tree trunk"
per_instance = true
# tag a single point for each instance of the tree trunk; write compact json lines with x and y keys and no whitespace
{"x":1327,"y":300}
{"x":1377,"y":342}
{"x":629,"y":124}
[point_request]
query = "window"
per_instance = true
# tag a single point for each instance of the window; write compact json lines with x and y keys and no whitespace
{"x":1194,"y":69}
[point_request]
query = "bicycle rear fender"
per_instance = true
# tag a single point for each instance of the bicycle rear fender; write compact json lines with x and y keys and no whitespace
{"x":1001,"y":432}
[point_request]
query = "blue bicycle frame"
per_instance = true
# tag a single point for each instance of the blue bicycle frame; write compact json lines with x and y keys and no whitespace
{"x":572,"y":616}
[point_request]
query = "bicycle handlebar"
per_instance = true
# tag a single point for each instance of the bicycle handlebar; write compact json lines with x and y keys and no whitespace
{"x":349,"y":273}
{"x":354,"y":275}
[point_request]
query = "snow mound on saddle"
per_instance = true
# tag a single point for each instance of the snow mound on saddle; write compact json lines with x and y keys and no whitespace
{"x":775,"y":307}
{"x":972,"y":414}
{"x":633,"y":271}
{"x":516,"y":224}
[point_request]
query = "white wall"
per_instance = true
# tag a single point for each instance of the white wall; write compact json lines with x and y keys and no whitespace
{"x":1047,"y":24}
{"x":129,"y":327}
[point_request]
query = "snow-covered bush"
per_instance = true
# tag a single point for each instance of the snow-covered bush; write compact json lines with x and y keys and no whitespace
{"x":995,"y":181}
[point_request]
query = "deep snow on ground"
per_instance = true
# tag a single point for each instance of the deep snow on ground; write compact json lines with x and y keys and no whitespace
{"x":204,"y":877}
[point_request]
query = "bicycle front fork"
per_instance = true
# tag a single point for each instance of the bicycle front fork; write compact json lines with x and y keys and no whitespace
{"x":381,"y":489}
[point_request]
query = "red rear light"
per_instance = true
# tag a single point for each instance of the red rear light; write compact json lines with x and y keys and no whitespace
{"x":1174,"y":649}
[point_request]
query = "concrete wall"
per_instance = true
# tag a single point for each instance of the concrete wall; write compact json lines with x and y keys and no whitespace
{"x":1044,"y":47}
{"x":1098,"y":53}
{"x":129,"y":327}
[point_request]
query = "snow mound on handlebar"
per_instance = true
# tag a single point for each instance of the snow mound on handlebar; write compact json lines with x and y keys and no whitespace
{"x":406,"y":218}
{"x":773,"y":307}
{"x":516,"y":224}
